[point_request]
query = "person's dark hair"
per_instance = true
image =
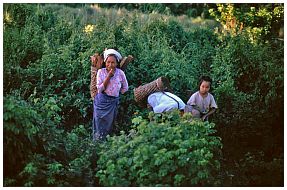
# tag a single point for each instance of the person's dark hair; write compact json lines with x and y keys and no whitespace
{"x":204,"y":78}
{"x":114,"y":57}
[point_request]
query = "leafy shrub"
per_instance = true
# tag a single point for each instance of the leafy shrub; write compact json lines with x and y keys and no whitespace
{"x":247,"y":80}
{"x":21,"y":48}
{"x":166,"y":151}
{"x":42,"y":154}
{"x":70,"y":160}
{"x":20,"y":134}
{"x":255,"y":170}
{"x":17,"y":14}
{"x":25,"y":134}
{"x":258,"y":21}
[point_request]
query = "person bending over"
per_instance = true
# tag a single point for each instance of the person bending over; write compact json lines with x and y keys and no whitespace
{"x":165,"y":101}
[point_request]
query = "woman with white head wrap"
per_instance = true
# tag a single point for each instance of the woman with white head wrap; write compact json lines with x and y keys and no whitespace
{"x":110,"y":82}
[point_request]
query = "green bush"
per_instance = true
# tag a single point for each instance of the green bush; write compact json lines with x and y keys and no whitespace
{"x":249,"y":83}
{"x":259,"y":21}
{"x":69,"y":160}
{"x":22,"y":47}
{"x":41,"y":153}
{"x":16,"y":14}
{"x":20,"y":134}
{"x":255,"y":170}
{"x":25,"y":134}
{"x":166,"y":151}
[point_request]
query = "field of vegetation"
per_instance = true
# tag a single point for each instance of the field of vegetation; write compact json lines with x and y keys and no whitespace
{"x":47,"y":114}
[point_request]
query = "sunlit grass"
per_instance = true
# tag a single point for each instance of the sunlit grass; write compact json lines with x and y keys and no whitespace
{"x":114,"y":15}
{"x":92,"y":14}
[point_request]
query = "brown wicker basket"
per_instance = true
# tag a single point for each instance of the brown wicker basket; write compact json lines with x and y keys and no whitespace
{"x":142,"y":92}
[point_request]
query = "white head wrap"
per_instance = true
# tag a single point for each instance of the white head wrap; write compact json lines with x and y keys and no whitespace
{"x":112,"y":51}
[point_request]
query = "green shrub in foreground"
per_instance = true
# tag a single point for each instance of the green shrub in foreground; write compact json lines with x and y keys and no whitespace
{"x":168,"y":150}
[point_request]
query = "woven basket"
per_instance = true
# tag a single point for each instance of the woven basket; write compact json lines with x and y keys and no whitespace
{"x":142,"y":92}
